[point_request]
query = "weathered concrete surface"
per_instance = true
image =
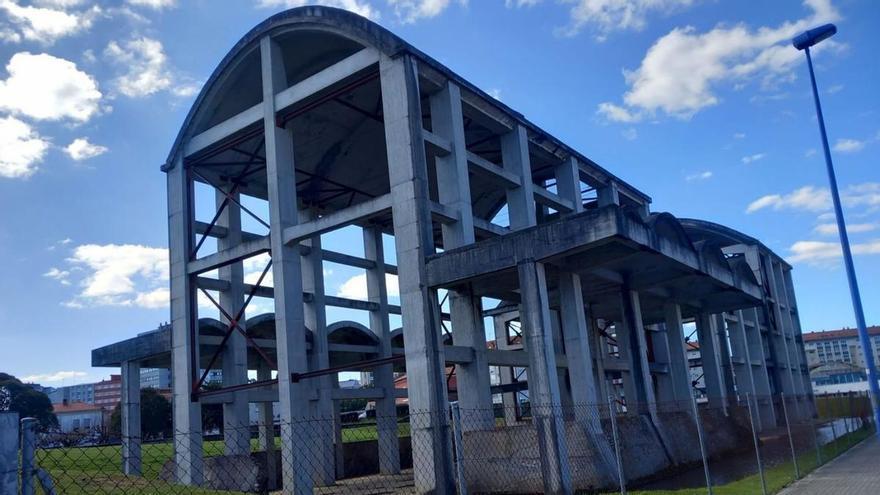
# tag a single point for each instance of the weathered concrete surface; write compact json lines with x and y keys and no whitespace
{"x":8,"y":452}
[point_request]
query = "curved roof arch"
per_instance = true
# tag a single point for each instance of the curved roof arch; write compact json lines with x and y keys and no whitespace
{"x":344,"y":32}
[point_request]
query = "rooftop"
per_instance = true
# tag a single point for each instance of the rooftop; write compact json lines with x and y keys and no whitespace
{"x":843,"y":333}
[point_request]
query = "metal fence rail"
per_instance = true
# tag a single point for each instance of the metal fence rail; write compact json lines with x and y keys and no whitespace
{"x":753,"y":444}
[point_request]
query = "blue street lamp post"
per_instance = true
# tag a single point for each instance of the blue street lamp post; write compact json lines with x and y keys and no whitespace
{"x":803,"y":42}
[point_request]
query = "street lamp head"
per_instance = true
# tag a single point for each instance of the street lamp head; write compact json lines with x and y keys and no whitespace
{"x":812,"y":36}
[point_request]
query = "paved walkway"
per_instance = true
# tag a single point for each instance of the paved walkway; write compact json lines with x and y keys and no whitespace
{"x":855,"y":472}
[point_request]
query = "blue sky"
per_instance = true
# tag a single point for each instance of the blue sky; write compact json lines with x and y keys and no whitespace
{"x":704,"y":105}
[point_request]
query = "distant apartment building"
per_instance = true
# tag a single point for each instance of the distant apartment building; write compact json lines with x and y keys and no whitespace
{"x":157,"y":378}
{"x":108,"y":393}
{"x":835,"y":359}
{"x":84,"y":393}
{"x":839,"y":346}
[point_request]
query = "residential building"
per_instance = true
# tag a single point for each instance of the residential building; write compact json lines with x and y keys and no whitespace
{"x":79,"y":417}
{"x":158,"y":378}
{"x":840,"y":345}
{"x":83,"y":393}
{"x":108,"y":393}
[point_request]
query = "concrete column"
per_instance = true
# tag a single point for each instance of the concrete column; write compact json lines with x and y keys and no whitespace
{"x":515,"y":158}
{"x":130,"y":407}
{"x":508,"y":399}
{"x":9,"y":454}
{"x":741,"y":357}
{"x":236,"y":427}
{"x":577,"y":344}
{"x":543,"y":382}
{"x":474,"y":394}
{"x":678,"y":362}
{"x":266,"y":428}
{"x":659,"y":342}
{"x":187,"y":412}
{"x":568,"y":183}
{"x":425,"y":364}
{"x":634,"y":351}
{"x":383,"y":376}
{"x":760,"y":373}
{"x":810,"y":409}
{"x":290,"y":329}
{"x":802,"y":385}
{"x":786,"y":361}
{"x":453,"y":183}
{"x":608,"y":195}
{"x":323,"y":448}
{"x":600,"y":352}
{"x":713,"y":375}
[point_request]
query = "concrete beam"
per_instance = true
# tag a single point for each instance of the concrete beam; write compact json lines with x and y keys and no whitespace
{"x":338,"y":219}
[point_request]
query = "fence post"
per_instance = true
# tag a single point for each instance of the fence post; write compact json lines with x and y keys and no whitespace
{"x":620,"y":478}
{"x":797,"y":473}
{"x":816,"y":441}
{"x":703,"y":453}
{"x":755,"y":439}
{"x":28,"y":453}
{"x":459,"y":448}
{"x":9,"y":452}
{"x":834,"y":436}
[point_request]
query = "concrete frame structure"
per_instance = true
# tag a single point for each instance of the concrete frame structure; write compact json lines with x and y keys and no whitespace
{"x":330,"y":121}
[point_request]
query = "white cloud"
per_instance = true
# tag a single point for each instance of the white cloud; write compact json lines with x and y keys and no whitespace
{"x":630,"y":134}
{"x":806,"y":198}
{"x":823,"y":252}
{"x":682,"y":70}
{"x":699,"y":176}
{"x":616,"y":15}
{"x":853,"y":228}
{"x":145,"y":63}
{"x":9,"y":35}
{"x":61,"y":276}
{"x":44,"y":87}
{"x":359,"y":7}
{"x":21,"y":149}
{"x":413,"y":10}
{"x":616,"y":113}
{"x":47,"y":24}
{"x":58,"y":376}
{"x":815,"y":199}
{"x":834,"y":89}
{"x":120,"y":275}
{"x":810,"y":152}
{"x":848,"y":145}
{"x":356,"y":287}
{"x":495,"y":93}
{"x":739,"y":135}
{"x":81,"y":149}
{"x":753,"y":158}
{"x":153,"y":4}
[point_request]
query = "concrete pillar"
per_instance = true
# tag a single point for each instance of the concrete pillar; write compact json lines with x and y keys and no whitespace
{"x":425,"y":364}
{"x":130,"y":408}
{"x":634,"y":351}
{"x":741,"y":358}
{"x":760,"y":374}
{"x":608,"y":195}
{"x":515,"y":158}
{"x":474,"y":394}
{"x":323,"y":448}
{"x":802,"y":385}
{"x":508,"y":399}
{"x":724,"y":355}
{"x":236,"y":427}
{"x":659,"y":342}
{"x":290,"y":329}
{"x":808,"y":397}
{"x":266,"y":428}
{"x":543,"y":382}
{"x":383,"y":376}
{"x":786,"y":359}
{"x":678,"y":363}
{"x":187,"y":413}
{"x":9,"y":455}
{"x":600,"y":352}
{"x":713,"y":375}
{"x":568,"y":183}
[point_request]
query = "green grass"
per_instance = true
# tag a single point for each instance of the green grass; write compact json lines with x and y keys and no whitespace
{"x":776,"y":477}
{"x":84,"y":470}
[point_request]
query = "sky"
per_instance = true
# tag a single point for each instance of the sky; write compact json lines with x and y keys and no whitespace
{"x":702,"y":104}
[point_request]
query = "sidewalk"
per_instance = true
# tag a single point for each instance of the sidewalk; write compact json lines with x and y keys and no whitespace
{"x":855,"y":472}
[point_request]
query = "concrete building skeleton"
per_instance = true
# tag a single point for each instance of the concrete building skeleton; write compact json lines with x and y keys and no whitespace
{"x":332,"y":121}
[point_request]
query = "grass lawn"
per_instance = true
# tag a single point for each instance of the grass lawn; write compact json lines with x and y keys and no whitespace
{"x":83,"y":470}
{"x":776,"y":477}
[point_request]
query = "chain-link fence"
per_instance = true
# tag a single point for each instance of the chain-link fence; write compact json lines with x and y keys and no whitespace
{"x":747,"y":444}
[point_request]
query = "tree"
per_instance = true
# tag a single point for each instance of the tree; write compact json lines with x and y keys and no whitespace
{"x":26,"y":401}
{"x":155,"y":416}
